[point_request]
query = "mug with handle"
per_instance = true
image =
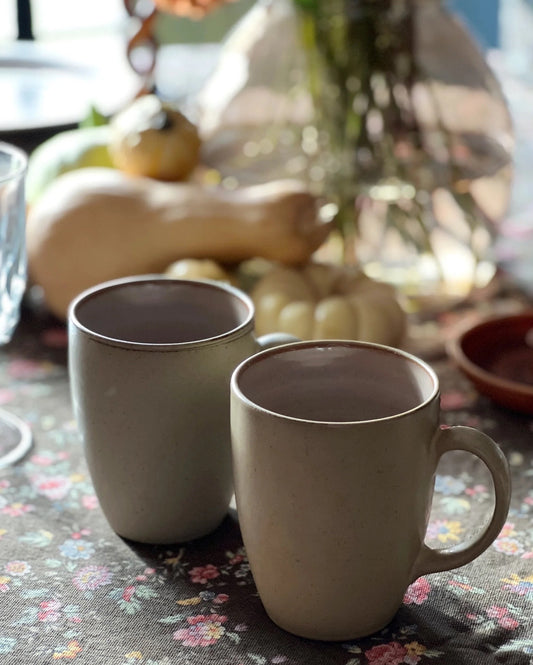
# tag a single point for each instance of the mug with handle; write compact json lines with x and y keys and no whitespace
{"x":150,"y":360}
{"x":335,"y":449}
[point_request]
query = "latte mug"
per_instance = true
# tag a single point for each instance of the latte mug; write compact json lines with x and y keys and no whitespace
{"x":150,"y":361}
{"x":335,"y":448}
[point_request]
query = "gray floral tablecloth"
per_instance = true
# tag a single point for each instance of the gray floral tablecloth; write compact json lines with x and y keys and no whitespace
{"x":72,"y":590}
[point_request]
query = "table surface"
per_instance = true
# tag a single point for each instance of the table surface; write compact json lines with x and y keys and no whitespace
{"x":72,"y":590}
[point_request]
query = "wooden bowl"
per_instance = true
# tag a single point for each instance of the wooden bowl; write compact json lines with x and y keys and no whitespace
{"x":497,"y":356}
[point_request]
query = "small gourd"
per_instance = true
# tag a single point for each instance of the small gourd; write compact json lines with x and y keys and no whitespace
{"x":201,"y":269}
{"x":151,"y":138}
{"x":326,"y":301}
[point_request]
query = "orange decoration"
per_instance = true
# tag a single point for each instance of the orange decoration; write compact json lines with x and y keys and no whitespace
{"x":189,"y":8}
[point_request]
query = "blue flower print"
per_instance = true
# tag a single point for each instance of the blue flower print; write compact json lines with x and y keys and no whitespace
{"x":7,"y":644}
{"x":77,"y":549}
{"x":449,"y":485}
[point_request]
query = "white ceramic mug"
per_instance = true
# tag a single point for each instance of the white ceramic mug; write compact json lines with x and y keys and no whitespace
{"x":150,"y":360}
{"x":335,"y":449}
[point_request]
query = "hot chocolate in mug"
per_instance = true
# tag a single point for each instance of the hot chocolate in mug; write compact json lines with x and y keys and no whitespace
{"x":335,"y":450}
{"x":150,"y":361}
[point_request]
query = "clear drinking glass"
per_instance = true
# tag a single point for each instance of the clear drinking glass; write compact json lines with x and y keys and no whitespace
{"x":15,"y":435}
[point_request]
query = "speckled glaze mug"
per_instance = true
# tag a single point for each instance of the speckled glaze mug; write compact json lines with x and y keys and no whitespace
{"x":335,"y":449}
{"x":150,"y":360}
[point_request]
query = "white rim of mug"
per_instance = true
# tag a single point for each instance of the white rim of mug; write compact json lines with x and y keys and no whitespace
{"x":292,"y":346}
{"x":21,"y":168}
{"x":94,"y":291}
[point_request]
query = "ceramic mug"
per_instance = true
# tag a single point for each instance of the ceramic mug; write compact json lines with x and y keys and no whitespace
{"x":335,"y":449}
{"x":150,"y":360}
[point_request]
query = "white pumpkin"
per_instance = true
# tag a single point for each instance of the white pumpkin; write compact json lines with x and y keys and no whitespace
{"x":325,"y":301}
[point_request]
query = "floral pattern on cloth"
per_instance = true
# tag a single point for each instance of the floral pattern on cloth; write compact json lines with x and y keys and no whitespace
{"x":72,"y":590}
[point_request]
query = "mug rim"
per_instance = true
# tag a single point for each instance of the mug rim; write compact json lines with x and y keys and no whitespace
{"x":99,"y":289}
{"x":321,"y":343}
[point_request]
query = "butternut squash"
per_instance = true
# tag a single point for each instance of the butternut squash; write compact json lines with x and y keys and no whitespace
{"x":92,"y":225}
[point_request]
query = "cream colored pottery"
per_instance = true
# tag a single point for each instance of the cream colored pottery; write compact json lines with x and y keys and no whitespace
{"x":150,"y":361}
{"x":335,"y":449}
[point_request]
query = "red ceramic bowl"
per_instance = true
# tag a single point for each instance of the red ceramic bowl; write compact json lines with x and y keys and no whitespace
{"x":497,"y":356}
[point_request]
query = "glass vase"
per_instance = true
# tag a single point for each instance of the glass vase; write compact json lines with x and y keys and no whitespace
{"x":417,"y":141}
{"x":389,"y":110}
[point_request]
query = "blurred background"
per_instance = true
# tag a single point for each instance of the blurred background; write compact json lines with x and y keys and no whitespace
{"x":80,"y":50}
{"x":60,"y":57}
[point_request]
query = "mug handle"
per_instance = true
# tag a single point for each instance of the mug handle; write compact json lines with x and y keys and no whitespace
{"x":275,"y":339}
{"x":482,"y":446}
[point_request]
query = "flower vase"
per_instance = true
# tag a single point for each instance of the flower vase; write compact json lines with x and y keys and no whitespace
{"x":417,"y":139}
{"x":389,"y":110}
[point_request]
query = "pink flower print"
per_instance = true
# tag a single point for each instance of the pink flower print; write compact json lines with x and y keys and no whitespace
{"x":79,"y":534}
{"x":508,"y":623}
{"x":238,"y":558}
{"x":508,"y":530}
{"x":452,"y":400}
{"x":6,"y":396}
{"x":42,"y":460}
{"x":89,"y":501}
{"x":142,"y":577}
{"x":17,"y":568}
{"x":55,"y":338}
{"x":4,"y":583}
{"x":508,"y":546}
{"x":90,"y":578}
{"x":387,"y":654}
{"x":49,"y":611}
{"x":220,"y":599}
{"x":503,"y":617}
{"x":53,"y":488}
{"x":29,"y":369}
{"x":417,"y":592}
{"x":202,"y":574}
{"x":477,"y":489}
{"x":496,"y":612}
{"x":461,"y":585}
{"x":203,"y":630}
{"x":17,"y":509}
{"x":128,"y":593}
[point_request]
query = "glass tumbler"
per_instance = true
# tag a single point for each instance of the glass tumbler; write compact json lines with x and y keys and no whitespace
{"x":15,"y":435}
